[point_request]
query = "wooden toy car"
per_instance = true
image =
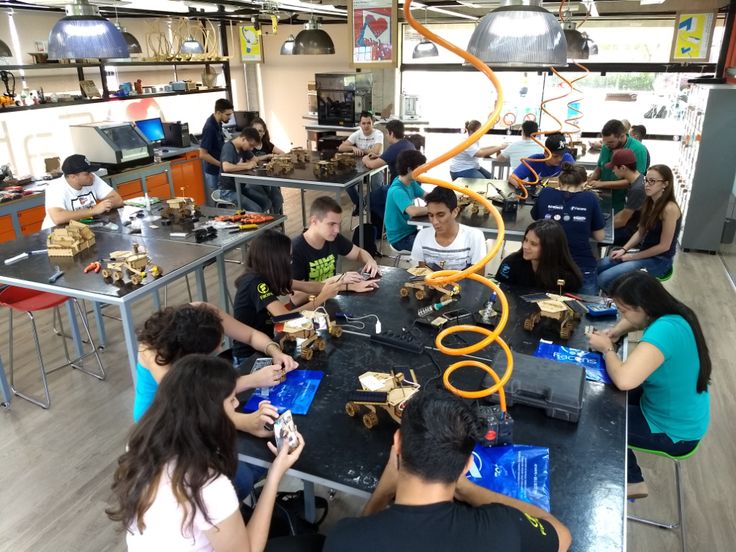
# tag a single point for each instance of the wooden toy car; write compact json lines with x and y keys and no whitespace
{"x":323,"y":169}
{"x":178,"y":209}
{"x":69,"y":241}
{"x":280,"y":165}
{"x":566,"y":313}
{"x":299,"y":156}
{"x":381,"y":390}
{"x":422,"y":290}
{"x":306,"y":328}
{"x":344,"y":161}
{"x":474,"y":208}
{"x":132,"y":264}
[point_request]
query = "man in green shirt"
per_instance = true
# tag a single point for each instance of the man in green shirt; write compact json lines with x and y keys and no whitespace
{"x":614,"y":137}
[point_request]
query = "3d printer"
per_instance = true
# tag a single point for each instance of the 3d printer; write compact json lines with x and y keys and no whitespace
{"x":342,"y":96}
{"x":112,"y":145}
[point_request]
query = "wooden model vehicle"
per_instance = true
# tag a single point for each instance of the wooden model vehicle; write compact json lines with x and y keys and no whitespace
{"x":180,"y":208}
{"x":243,"y":217}
{"x":381,"y":390}
{"x":306,"y":328}
{"x":323,"y":169}
{"x":563,"y":312}
{"x":422,"y":290}
{"x":299,"y":156}
{"x":344,"y":161}
{"x":474,"y":208}
{"x":130,"y":263}
{"x":279,"y":165}
{"x":69,"y":241}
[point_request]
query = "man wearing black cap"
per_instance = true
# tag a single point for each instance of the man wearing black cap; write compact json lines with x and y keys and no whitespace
{"x":78,"y":194}
{"x":555,"y":143}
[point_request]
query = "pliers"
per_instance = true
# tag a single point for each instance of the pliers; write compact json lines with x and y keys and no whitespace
{"x":95,"y":265}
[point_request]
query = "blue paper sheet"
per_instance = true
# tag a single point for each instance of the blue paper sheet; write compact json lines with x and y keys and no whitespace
{"x":518,"y":471}
{"x":595,"y":367}
{"x":295,"y":394}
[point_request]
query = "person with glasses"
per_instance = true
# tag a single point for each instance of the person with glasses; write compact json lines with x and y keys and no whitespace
{"x":656,"y":236}
{"x":264,"y":148}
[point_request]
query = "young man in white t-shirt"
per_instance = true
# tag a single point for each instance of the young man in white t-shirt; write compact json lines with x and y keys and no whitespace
{"x":78,"y":194}
{"x":447,"y":243}
{"x":367,"y":140}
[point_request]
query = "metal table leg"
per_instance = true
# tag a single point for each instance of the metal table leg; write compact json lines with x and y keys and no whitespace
{"x":131,"y":343}
{"x":199,"y":273}
{"x":224,"y":299}
{"x":102,"y":341}
{"x":361,"y":215}
{"x":74,"y":326}
{"x":310,"y":512}
{"x":6,"y":397}
{"x":303,"y":194}
{"x":156,"y":300}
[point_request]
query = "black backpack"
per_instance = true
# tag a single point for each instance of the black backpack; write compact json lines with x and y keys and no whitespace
{"x":370,"y":237}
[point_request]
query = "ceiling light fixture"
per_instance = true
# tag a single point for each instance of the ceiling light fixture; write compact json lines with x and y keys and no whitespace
{"x":579,"y":44}
{"x":5,"y":50}
{"x":426,"y":48}
{"x":191,"y":46}
{"x":287,"y":48}
{"x":84,"y":33}
{"x":134,"y":47}
{"x":313,"y":40}
{"x":519,"y":33}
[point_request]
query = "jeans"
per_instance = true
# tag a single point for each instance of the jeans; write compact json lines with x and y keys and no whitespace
{"x":211,"y":183}
{"x":405,"y":243}
{"x":480,"y":172}
{"x":590,"y":283}
{"x":641,"y":436}
{"x":375,"y":183}
{"x":269,"y":197}
{"x":609,"y":270}
{"x":247,"y":202}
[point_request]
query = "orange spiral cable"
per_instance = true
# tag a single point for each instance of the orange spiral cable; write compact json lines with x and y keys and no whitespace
{"x":445,"y":277}
{"x":573,"y":121}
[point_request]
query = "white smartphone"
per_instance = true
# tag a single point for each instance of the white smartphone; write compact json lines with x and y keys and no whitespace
{"x":284,"y":431}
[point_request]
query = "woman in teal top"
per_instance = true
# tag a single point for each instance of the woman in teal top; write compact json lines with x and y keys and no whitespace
{"x":667,"y":374}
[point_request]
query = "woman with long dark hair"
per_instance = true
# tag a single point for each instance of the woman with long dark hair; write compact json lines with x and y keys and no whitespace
{"x":467,"y":163}
{"x":172,"y":489}
{"x":670,"y":370}
{"x":268,"y":275}
{"x":579,"y":213}
{"x":543,"y":260}
{"x":656,"y":237}
{"x":265,"y":147}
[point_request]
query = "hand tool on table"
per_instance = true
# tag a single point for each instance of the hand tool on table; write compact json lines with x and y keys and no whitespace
{"x":25,"y":255}
{"x":93,"y":266}
{"x":242,"y":228}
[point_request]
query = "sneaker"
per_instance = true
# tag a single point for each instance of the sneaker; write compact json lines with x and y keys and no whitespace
{"x":637,"y":490}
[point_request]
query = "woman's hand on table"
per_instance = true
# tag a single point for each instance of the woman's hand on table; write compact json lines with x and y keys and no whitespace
{"x":599,"y":341}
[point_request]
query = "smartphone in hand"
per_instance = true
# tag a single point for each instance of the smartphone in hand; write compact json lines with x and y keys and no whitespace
{"x":284,"y":430}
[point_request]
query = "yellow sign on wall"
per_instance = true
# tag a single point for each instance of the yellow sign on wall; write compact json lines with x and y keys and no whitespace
{"x":693,"y":35}
{"x":250,"y":44}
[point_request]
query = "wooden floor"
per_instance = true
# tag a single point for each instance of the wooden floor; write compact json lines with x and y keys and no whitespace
{"x":56,"y":465}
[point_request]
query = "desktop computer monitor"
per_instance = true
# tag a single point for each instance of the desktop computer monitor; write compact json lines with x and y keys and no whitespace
{"x":151,"y":129}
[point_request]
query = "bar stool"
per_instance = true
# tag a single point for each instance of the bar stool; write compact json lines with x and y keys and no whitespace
{"x":667,"y":275}
{"x":680,"y":523}
{"x":30,"y":301}
{"x":397,"y":255}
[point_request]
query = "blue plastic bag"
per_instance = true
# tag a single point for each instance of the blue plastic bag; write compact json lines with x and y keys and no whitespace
{"x":595,"y":367}
{"x":518,"y":471}
{"x":295,"y":394}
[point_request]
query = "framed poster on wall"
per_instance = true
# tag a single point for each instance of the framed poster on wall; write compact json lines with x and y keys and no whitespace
{"x":251,"y":50}
{"x":373,"y":32}
{"x":693,"y":36}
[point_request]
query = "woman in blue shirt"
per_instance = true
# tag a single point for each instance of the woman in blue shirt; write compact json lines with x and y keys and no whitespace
{"x":579,"y":214}
{"x":667,"y":374}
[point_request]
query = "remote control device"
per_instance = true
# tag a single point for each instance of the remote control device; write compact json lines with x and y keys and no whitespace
{"x":598,"y":310}
{"x":498,"y":426}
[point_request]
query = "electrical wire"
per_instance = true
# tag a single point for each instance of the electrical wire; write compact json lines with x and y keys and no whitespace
{"x":444,"y":277}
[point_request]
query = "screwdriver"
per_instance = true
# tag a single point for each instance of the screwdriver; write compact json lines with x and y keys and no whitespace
{"x":242,"y":227}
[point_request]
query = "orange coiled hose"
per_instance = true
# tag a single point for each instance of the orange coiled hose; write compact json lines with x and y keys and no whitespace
{"x":445,"y":277}
{"x":573,"y":121}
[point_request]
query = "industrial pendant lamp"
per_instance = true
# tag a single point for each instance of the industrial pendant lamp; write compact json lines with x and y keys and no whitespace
{"x":287,"y":48}
{"x":579,"y":45}
{"x":5,"y":50}
{"x":191,"y":46}
{"x":84,"y":33}
{"x":426,"y":48}
{"x":519,"y":33}
{"x":313,"y":40}
{"x":134,"y":47}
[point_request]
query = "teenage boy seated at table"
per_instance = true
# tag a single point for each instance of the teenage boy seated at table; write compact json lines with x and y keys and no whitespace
{"x":364,"y":141}
{"x":447,"y":243}
{"x":397,"y":144}
{"x":78,"y":194}
{"x":435,"y":507}
{"x":400,"y":202}
{"x":555,"y":143}
{"x":626,"y":221}
{"x":314,"y":253}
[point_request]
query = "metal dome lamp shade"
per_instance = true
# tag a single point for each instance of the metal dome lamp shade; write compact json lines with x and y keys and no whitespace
{"x":191,"y":46}
{"x":5,"y":50}
{"x":519,"y":33}
{"x":287,"y":48}
{"x":134,"y":47}
{"x":426,"y":48}
{"x":84,"y":33}
{"x":579,"y":45}
{"x":313,"y":40}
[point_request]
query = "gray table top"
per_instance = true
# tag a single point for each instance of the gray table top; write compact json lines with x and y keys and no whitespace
{"x":175,"y":259}
{"x":305,"y":178}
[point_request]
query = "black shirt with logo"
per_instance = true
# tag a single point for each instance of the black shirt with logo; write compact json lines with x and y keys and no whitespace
{"x":251,"y":300}
{"x":316,"y":265}
{"x":517,"y":271}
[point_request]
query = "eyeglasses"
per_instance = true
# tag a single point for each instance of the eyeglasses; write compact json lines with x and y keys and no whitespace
{"x":653,"y":180}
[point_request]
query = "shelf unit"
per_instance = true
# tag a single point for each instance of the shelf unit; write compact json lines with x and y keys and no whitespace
{"x":53,"y":69}
{"x":706,"y":166}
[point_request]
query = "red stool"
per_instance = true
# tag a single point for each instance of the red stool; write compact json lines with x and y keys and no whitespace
{"x":30,"y":301}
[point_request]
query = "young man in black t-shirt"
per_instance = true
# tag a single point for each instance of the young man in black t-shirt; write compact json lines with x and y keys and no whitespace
{"x":314,"y":253}
{"x":435,"y":506}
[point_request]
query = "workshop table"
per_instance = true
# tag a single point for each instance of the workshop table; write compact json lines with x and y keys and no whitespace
{"x":152,"y":227}
{"x":516,"y":222}
{"x":304,"y":179}
{"x":175,"y":260}
{"x":587,"y":459}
